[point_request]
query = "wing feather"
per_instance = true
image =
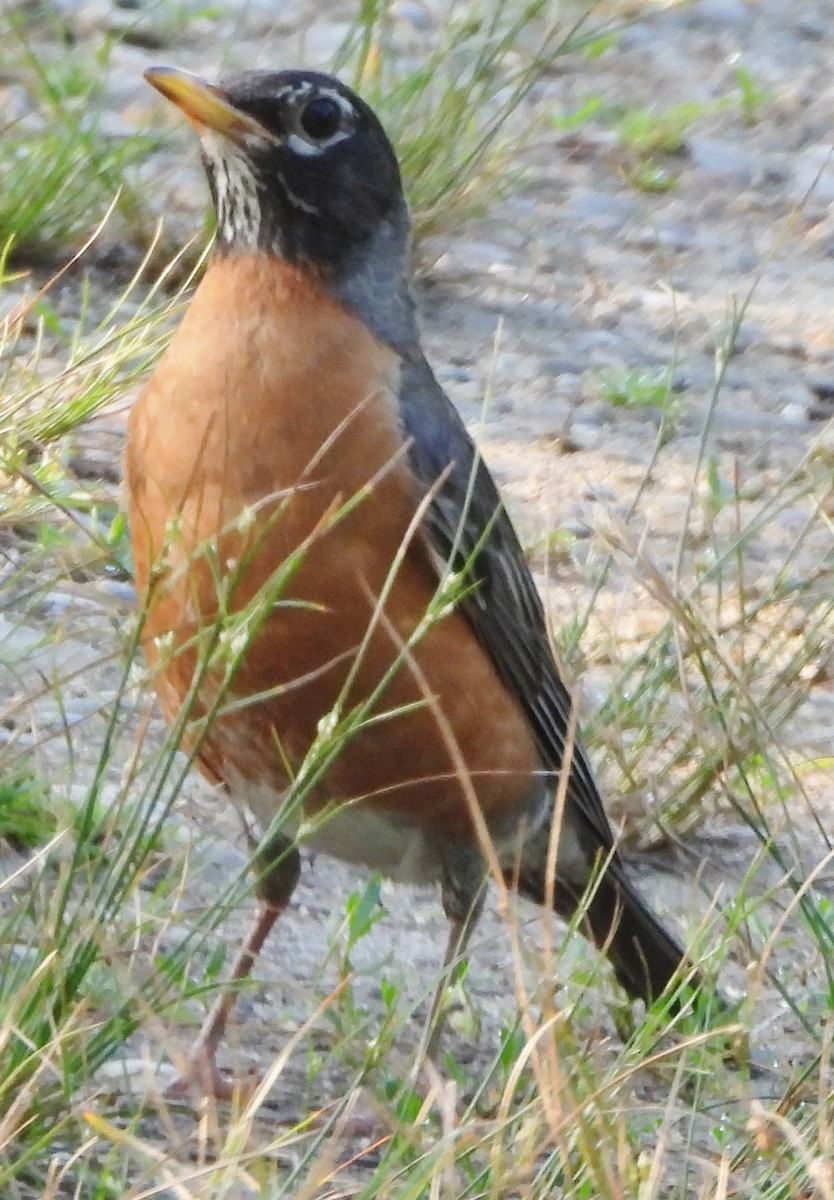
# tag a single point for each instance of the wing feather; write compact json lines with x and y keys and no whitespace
{"x":469,"y":530}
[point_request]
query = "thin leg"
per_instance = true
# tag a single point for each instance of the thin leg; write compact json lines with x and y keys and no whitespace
{"x":279,"y":868}
{"x":460,"y":931}
{"x":203,"y":1075}
{"x":462,"y":903}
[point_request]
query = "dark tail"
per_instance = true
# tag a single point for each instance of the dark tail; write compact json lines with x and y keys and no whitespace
{"x":643,"y":953}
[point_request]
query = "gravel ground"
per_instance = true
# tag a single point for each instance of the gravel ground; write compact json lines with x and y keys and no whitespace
{"x":573,"y":274}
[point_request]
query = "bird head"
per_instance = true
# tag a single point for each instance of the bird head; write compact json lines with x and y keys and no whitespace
{"x":299,"y":167}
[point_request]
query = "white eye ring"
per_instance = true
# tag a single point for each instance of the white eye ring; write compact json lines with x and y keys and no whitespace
{"x":302,"y":142}
{"x":300,"y":145}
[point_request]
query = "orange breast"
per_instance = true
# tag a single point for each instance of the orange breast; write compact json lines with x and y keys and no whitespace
{"x":270,"y":415}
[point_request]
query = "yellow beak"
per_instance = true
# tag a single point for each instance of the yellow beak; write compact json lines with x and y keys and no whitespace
{"x":204,"y":104}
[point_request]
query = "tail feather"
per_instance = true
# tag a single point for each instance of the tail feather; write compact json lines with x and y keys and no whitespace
{"x":644,"y":955}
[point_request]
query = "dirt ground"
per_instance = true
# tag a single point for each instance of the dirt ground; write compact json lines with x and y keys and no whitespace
{"x":575,"y":273}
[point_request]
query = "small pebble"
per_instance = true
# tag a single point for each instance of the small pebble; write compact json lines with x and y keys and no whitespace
{"x":721,"y":159}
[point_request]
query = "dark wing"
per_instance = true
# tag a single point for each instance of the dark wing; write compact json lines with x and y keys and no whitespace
{"x":467,"y":525}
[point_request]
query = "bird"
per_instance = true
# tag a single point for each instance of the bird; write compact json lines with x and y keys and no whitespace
{"x":337,"y":611}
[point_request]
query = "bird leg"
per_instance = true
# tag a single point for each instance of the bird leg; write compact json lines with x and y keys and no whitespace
{"x":462,"y":920}
{"x":279,"y":866}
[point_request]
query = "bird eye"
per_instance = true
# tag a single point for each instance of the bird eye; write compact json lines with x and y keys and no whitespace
{"x":321,"y":118}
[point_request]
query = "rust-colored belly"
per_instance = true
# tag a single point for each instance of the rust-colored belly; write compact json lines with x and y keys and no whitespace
{"x":271,"y":412}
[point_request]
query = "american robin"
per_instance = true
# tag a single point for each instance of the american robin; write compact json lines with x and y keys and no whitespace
{"x":324,"y":558}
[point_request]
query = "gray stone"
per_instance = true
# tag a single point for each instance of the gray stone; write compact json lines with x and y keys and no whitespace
{"x":321,"y":40}
{"x":577,"y":527}
{"x":736,"y":15}
{"x":415,"y":15}
{"x":582,"y":435}
{"x":677,"y":236}
{"x":512,"y":365}
{"x":822,"y":386}
{"x":794,"y":414}
{"x":721,"y":158}
{"x":453,"y":374}
{"x":29,"y":653}
{"x":562,"y":366}
{"x":124,"y":84}
{"x":465,"y":257}
{"x":814,"y":173}
{"x":774,"y":170}
{"x":811,"y":27}
{"x":602,"y":209}
{"x":147,"y":30}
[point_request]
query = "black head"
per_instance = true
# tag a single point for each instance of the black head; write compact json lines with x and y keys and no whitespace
{"x":299,"y":166}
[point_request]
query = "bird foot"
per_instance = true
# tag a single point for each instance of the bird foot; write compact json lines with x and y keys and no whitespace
{"x":203,"y":1079}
